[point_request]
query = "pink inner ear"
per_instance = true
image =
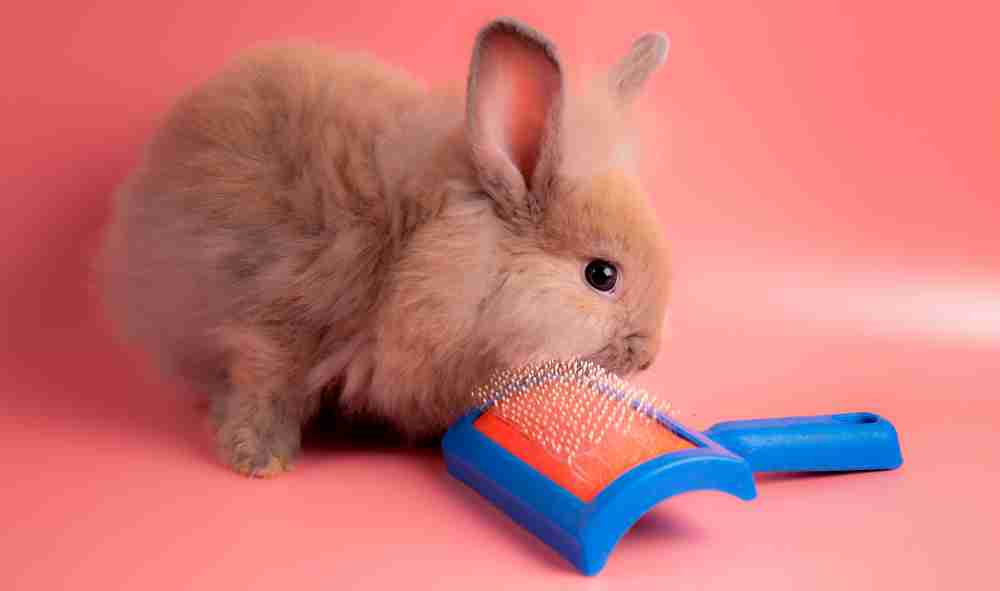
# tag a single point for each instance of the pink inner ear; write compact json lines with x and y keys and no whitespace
{"x":518,"y":86}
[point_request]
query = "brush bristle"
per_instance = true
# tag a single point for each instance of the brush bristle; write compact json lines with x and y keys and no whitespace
{"x":591,"y":424}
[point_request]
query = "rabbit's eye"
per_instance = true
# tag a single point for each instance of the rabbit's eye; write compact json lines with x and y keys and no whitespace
{"x":601,"y":275}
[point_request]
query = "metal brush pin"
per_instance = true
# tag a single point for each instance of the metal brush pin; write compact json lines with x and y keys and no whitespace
{"x":586,"y":417}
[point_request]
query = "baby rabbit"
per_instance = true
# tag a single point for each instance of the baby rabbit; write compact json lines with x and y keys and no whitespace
{"x":309,"y":228}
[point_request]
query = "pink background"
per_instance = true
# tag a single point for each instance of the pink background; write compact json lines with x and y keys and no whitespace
{"x":829,"y":177}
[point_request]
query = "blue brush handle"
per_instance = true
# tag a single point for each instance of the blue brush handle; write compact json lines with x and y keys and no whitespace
{"x":830,"y":443}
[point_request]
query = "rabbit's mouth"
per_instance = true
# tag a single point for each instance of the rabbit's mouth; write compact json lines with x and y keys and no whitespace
{"x":609,"y":358}
{"x":625,"y":358}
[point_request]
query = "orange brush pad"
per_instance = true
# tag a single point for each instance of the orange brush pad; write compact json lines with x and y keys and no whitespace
{"x":587,"y":473}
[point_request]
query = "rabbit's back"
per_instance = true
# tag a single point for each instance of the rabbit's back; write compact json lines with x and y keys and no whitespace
{"x":259,"y":201}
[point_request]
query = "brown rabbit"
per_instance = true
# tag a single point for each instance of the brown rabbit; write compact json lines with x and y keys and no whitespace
{"x":311,"y":228}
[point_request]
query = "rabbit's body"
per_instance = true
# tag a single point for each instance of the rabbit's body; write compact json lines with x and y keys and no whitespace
{"x":310,"y":226}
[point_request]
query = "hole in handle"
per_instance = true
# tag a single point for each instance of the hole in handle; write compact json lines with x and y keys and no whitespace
{"x":857,"y":417}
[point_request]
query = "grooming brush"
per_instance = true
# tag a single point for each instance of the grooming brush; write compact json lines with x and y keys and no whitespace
{"x":577,"y":455}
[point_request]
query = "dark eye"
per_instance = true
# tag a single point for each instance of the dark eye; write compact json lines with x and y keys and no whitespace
{"x":601,"y":275}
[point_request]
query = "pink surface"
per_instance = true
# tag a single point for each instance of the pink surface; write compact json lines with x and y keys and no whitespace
{"x":829,"y":178}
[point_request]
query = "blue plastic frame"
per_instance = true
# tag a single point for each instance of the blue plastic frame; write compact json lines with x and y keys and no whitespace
{"x":585,"y":533}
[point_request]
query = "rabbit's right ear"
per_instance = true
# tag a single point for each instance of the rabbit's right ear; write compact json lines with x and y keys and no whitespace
{"x":515,"y":94}
{"x":647,"y":53}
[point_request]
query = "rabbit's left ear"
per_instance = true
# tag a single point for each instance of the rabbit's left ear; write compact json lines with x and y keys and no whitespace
{"x":515,"y":96}
{"x":628,"y":76}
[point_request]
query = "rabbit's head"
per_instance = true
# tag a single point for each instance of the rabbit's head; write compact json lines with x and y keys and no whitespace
{"x":549,"y":249}
{"x":582,"y":263}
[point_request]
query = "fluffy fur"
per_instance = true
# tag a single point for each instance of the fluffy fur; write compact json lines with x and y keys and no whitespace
{"x":312,"y":228}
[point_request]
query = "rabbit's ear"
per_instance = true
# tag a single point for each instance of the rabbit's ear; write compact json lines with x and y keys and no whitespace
{"x":515,"y":94}
{"x":628,"y":76}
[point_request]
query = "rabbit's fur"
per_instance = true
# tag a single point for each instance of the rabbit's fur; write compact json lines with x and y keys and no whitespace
{"x":309,"y":227}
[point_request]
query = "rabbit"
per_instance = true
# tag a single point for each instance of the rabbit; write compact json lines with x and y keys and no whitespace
{"x":309,"y":229}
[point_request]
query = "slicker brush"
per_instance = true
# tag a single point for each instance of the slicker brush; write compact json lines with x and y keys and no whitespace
{"x":577,"y":455}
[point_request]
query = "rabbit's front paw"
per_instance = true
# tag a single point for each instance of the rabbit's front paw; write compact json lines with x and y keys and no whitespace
{"x":261,"y":465}
{"x":258,"y":445}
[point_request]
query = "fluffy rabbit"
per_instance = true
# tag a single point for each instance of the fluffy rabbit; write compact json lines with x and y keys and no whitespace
{"x":309,"y":228}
